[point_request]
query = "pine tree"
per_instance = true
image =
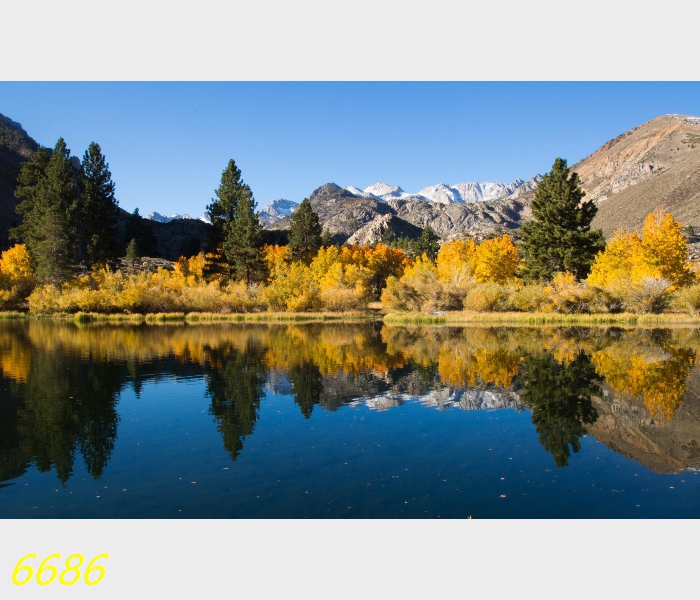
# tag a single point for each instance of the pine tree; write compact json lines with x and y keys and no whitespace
{"x":428,"y":243}
{"x":99,"y":208}
{"x":305,"y":233}
{"x":559,"y":238}
{"x":243,"y":242}
{"x":222,"y":210}
{"x":50,"y":205}
{"x":327,"y":239}
{"x":133,"y":254}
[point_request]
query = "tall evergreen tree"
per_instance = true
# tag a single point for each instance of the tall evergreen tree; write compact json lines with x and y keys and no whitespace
{"x":428,"y":243}
{"x":305,"y":233}
{"x":243,"y":242}
{"x":133,"y":254}
{"x":99,"y":208}
{"x":50,"y":203}
{"x":221,"y":211}
{"x":559,"y":238}
{"x":327,"y":239}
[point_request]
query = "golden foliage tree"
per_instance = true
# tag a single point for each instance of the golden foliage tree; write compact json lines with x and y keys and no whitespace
{"x":616,"y":261}
{"x":496,"y":260}
{"x":663,"y":251}
{"x":660,"y":252}
{"x":16,"y":276}
{"x":456,"y":261}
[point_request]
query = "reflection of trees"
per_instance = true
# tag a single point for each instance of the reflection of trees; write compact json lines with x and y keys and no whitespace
{"x":649,"y":365}
{"x":60,"y":382}
{"x":68,"y":404}
{"x":307,"y":384}
{"x":235,"y":380}
{"x":560,"y":396}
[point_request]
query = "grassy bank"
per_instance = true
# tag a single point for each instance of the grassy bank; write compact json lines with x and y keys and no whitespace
{"x":447,"y":318}
{"x":197,"y":317}
{"x":521,"y":318}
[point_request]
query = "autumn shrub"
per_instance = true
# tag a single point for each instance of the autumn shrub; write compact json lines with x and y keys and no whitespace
{"x":401,"y":295}
{"x":44,"y":300}
{"x":650,"y":295}
{"x":344,"y":286}
{"x":566,"y":295}
{"x":341,"y":299}
{"x":420,"y":289}
{"x":608,"y":299}
{"x":293,"y":289}
{"x":238,"y":297}
{"x":688,"y":299}
{"x":527,"y":298}
{"x":487,"y":297}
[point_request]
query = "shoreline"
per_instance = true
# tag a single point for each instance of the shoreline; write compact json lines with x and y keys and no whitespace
{"x":447,"y":318}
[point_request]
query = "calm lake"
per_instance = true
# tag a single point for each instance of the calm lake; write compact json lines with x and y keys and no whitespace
{"x":347,"y":420}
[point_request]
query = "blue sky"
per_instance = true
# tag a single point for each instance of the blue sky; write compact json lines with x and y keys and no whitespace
{"x":167,"y":143}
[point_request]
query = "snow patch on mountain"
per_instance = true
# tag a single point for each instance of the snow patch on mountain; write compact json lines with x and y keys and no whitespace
{"x":276,"y":210}
{"x":155,"y":216}
{"x":462,"y":193}
{"x":361,"y":193}
{"x":384,"y":191}
{"x":442,"y":193}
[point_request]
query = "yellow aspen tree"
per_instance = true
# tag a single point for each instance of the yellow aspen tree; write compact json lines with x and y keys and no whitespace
{"x":16,"y":266}
{"x":323,"y":261}
{"x":275,"y":258}
{"x":616,"y":261}
{"x":456,"y":261}
{"x":663,"y":251}
{"x":496,"y":260}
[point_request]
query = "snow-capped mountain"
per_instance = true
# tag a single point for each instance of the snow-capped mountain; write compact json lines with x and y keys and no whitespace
{"x":154,"y":216}
{"x":384,"y":191}
{"x":462,"y":193}
{"x":358,"y":192}
{"x":276,"y":210}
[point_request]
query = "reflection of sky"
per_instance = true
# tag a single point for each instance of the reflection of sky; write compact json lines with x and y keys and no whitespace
{"x":354,"y":462}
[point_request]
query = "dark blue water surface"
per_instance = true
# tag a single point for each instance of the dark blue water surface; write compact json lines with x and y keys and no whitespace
{"x":351,"y":421}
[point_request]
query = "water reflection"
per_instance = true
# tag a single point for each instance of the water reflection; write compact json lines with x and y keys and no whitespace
{"x":235,"y":379}
{"x":635,"y":390}
{"x":559,"y":393}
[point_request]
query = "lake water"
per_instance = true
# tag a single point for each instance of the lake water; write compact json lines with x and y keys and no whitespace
{"x":347,"y":421}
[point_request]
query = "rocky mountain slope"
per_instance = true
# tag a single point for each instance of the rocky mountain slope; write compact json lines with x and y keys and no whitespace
{"x":344,"y":214}
{"x":655,"y":163}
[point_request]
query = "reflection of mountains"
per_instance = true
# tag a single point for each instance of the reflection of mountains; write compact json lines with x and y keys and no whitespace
{"x":625,"y":425}
{"x":385,"y":391}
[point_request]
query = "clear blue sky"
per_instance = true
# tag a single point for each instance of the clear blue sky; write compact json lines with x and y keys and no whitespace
{"x":167,"y":143}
